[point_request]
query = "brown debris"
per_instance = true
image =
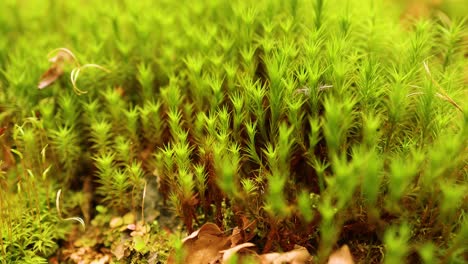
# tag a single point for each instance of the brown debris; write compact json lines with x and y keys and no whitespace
{"x":50,"y":76}
{"x":204,"y":245}
{"x":239,"y":250}
{"x":341,"y":256}
{"x":64,"y":56}
{"x":299,"y":255}
{"x":86,"y":255}
{"x":56,"y":69}
{"x":209,"y":244}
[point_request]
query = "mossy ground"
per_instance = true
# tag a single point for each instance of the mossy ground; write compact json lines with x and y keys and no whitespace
{"x":321,"y":123}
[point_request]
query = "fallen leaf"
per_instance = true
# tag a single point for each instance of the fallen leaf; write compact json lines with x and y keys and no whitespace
{"x":209,"y":245}
{"x":56,"y":69}
{"x":341,"y":256}
{"x":204,"y":245}
{"x":208,"y":228}
{"x":228,"y":253}
{"x":50,"y":76}
{"x":299,"y":255}
{"x":62,"y":57}
{"x":269,"y":257}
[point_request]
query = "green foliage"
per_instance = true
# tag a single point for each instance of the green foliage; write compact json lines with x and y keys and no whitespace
{"x":314,"y":118}
{"x":67,"y":148}
{"x":396,"y":239}
{"x":28,"y":226}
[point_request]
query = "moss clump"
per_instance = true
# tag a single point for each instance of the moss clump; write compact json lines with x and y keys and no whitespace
{"x":327,"y":123}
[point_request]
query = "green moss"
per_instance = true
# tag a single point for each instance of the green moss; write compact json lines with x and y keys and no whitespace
{"x":318,"y":119}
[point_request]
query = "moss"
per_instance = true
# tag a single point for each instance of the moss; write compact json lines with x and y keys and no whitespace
{"x":327,"y":123}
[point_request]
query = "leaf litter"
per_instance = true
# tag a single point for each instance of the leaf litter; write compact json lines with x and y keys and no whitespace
{"x":64,"y":56}
{"x":209,"y":244}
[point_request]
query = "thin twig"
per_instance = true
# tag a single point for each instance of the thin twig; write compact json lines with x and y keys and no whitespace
{"x":143,"y":204}
{"x":442,"y":93}
{"x":57,"y":204}
{"x":67,"y":51}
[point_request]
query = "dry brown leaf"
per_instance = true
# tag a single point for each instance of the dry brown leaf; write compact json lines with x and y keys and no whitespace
{"x":62,"y":57}
{"x":228,"y":253}
{"x":341,"y":256}
{"x":268,"y":258}
{"x":299,"y":255}
{"x":204,"y":245}
{"x":209,"y":245}
{"x":208,"y":228}
{"x":50,"y":76}
{"x":56,"y":69}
